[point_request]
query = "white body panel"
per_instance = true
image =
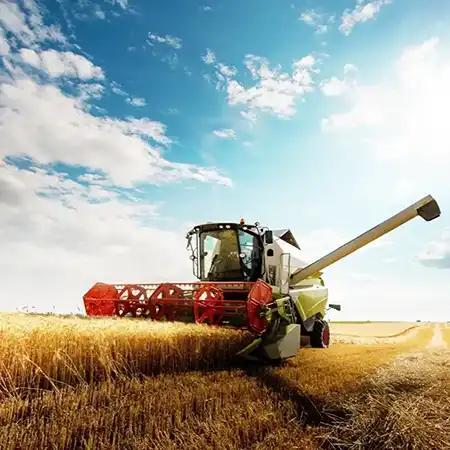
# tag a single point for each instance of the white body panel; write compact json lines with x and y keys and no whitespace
{"x":281,"y":260}
{"x":299,"y":259}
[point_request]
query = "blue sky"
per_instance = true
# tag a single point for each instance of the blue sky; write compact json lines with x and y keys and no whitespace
{"x":124,"y":122}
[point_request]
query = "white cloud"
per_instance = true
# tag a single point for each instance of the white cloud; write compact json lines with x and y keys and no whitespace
{"x":57,"y":64}
{"x":320,"y":22}
{"x":404,"y":120}
{"x":275,"y":92}
{"x":437,"y":253}
{"x":118,"y":147}
{"x":225,"y":133}
{"x":362,"y":12}
{"x":210,"y":56}
{"x":122,"y":3}
{"x":227,"y":71}
{"x":61,"y":242}
{"x":137,"y":101}
{"x":116,"y":88}
{"x":4,"y":45}
{"x":28,"y":27}
{"x":99,"y":13}
{"x":335,"y":87}
{"x":169,"y":40}
{"x":222,"y":73}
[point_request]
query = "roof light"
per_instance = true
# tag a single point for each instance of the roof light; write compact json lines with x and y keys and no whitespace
{"x":242,"y":221}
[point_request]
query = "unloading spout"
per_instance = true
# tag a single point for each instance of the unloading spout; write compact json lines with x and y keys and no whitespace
{"x":427,"y":208}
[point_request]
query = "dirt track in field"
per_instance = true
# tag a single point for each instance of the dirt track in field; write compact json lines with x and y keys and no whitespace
{"x":437,"y":341}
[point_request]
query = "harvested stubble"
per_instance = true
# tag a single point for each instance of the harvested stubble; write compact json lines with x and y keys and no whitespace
{"x":188,"y":411}
{"x":230,"y":409}
{"x":402,"y":406}
{"x":327,"y":373}
{"x":47,"y":352}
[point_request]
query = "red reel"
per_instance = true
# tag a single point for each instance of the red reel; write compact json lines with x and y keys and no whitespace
{"x":208,"y":305}
{"x":160,"y":301}
{"x":259,"y":296}
{"x":135,"y":300}
{"x":100,"y":300}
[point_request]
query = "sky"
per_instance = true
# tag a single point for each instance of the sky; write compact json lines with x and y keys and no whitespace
{"x":125,"y":122}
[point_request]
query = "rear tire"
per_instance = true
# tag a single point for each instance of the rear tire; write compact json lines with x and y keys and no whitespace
{"x":320,"y":335}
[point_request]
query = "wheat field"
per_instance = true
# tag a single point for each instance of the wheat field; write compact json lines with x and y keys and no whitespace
{"x":72,"y":383}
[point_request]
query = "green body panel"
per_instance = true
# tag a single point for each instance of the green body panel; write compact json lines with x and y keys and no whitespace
{"x":310,"y":301}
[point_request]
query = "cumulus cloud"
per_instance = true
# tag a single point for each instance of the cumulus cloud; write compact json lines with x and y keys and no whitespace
{"x":63,"y":236}
{"x":335,"y":87}
{"x":210,"y":57}
{"x":137,"y":101}
{"x":4,"y":45}
{"x":122,"y":3}
{"x":169,"y":40}
{"x":274,"y":91}
{"x":28,"y":25}
{"x":225,"y":133}
{"x":57,"y":64}
{"x":437,"y":253}
{"x":319,"y":21}
{"x":271,"y":91}
{"x":362,"y":12}
{"x":116,"y":146}
{"x":222,"y":73}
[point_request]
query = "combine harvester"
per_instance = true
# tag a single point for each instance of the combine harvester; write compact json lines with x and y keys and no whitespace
{"x":250,"y":278}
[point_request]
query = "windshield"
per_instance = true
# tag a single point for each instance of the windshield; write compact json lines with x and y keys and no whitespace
{"x":230,"y":255}
{"x":220,"y":256}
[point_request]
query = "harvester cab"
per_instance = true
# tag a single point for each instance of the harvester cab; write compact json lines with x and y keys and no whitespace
{"x":251,"y":278}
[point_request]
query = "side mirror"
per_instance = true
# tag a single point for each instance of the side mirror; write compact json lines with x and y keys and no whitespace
{"x":336,"y":307}
{"x":268,"y":237}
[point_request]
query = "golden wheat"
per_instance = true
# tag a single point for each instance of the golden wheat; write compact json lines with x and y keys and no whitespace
{"x":99,"y":395}
{"x":111,"y":406}
{"x":47,"y":352}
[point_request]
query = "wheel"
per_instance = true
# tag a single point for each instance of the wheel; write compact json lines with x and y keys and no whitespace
{"x":320,"y":335}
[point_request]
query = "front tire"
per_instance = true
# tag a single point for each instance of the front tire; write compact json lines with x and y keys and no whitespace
{"x":320,"y":335}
